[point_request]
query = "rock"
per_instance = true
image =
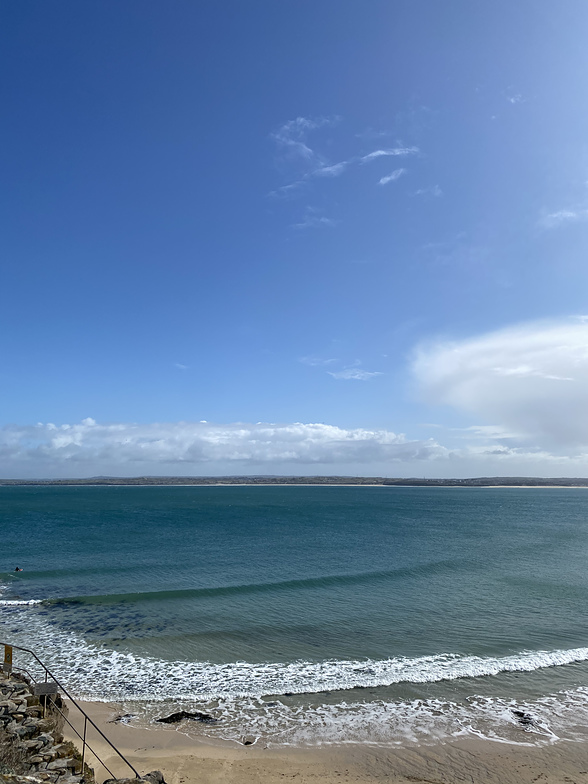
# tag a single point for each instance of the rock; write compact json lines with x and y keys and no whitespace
{"x":46,"y":726}
{"x":155,"y":777}
{"x":524,"y":718}
{"x":24,"y":731}
{"x":123,"y":719}
{"x":61,"y":749}
{"x":174,"y":718}
{"x":32,"y":744}
{"x":64,"y":762}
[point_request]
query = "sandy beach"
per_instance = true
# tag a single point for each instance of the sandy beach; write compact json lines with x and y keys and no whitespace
{"x":191,"y":760}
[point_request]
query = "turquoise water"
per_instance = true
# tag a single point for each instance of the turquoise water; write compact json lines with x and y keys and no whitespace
{"x":422,"y":612}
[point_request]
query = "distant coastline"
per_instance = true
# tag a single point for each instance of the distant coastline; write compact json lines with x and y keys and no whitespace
{"x":328,"y":481}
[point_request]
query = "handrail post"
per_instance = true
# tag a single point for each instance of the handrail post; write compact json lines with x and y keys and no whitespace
{"x":84,"y":744}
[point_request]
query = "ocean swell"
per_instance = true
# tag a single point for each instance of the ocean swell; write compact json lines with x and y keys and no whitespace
{"x":98,"y":672}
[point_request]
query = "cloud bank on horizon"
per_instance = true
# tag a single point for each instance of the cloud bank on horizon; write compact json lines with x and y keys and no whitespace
{"x":184,"y":447}
{"x":526,"y":386}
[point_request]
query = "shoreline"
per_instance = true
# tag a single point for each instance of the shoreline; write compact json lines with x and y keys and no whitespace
{"x":187,"y":759}
{"x":398,"y":485}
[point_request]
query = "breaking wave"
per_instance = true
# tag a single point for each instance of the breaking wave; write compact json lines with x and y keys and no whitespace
{"x":97,"y":672}
{"x":258,"y":700}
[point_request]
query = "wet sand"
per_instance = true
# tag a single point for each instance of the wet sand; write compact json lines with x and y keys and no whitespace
{"x":194,"y":760}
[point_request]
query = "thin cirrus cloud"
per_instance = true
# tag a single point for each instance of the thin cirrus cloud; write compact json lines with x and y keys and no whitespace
{"x":392,"y":151}
{"x":331,"y":171}
{"x":395,"y":175}
{"x":125,"y":448}
{"x":311,"y":221}
{"x":554,"y":220}
{"x":354,"y":374}
{"x":431,"y":190}
{"x":314,"y":361}
{"x":530,"y":379}
{"x":291,"y":137}
{"x":294,"y":148}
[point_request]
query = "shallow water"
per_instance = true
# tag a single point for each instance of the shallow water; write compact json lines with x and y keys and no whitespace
{"x":424,"y":612}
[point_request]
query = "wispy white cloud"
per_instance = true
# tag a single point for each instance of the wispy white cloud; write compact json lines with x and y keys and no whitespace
{"x":370,"y":133}
{"x":306,"y":164}
{"x":291,"y":137}
{"x":553,"y":220}
{"x":333,"y":170}
{"x":396,"y":174}
{"x":393,"y":151}
{"x":354,"y":374}
{"x":312,"y":221}
{"x":180,"y":366}
{"x":288,"y":190}
{"x":490,"y":432}
{"x":513,"y":97}
{"x":314,"y":361}
{"x":431,"y":190}
{"x":330,"y":171}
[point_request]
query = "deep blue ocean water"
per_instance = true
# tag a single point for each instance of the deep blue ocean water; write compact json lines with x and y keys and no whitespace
{"x":309,"y":614}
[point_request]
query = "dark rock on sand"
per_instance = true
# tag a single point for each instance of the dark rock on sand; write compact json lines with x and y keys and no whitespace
{"x":123,"y":718}
{"x":174,"y":718}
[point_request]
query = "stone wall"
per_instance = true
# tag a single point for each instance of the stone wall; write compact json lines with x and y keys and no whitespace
{"x":32,"y":748}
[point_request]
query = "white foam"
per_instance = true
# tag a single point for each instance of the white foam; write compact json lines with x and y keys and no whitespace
{"x":377,"y":722}
{"x":233,"y":692}
{"x":97,"y":672}
{"x":8,"y":602}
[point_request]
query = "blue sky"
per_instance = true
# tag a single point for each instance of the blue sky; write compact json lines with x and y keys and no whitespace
{"x":362,"y":225}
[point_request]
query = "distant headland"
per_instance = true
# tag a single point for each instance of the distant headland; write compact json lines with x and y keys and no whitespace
{"x":369,"y":481}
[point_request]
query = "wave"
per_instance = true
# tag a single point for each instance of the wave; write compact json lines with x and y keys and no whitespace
{"x":9,"y":602}
{"x":98,"y":672}
{"x":252,"y":588}
{"x":253,"y":698}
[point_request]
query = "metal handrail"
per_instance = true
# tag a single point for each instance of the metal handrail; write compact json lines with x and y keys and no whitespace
{"x":79,"y":707}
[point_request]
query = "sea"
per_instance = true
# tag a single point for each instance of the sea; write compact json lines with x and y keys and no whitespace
{"x":305,"y":616}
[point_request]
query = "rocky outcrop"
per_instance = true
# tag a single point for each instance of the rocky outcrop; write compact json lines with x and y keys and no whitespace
{"x":32,"y":748}
{"x":31,"y":738}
